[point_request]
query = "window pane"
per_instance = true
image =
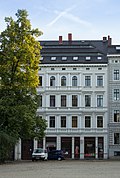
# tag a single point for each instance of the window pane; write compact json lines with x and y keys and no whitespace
{"x":63,"y":121}
{"x":87,"y":100}
{"x":63,"y":101}
{"x":74,"y":100}
{"x":99,"y":80}
{"x":52,"y":121}
{"x":74,"y":81}
{"x":52,"y":100}
{"x":116,"y":74}
{"x":87,"y":121}
{"x":74,"y":121}
{"x":87,"y":80}
{"x":40,"y":80}
{"x":63,"y":81}
{"x":116,"y":138}
{"x":116,"y":116}
{"x":100,"y":101}
{"x":99,"y":121}
{"x":116,"y":94}
{"x":52,"y":81}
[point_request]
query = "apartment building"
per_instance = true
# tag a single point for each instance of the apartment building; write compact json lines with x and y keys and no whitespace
{"x":114,"y":100}
{"x":73,"y":96}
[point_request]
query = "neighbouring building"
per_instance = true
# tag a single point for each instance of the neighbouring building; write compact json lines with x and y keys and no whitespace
{"x":114,"y":100}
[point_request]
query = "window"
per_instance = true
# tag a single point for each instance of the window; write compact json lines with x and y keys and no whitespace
{"x":74,"y":81}
{"x":74,"y":100}
{"x":63,"y":121}
{"x":99,"y":100}
{"x":100,"y":121}
{"x":63,"y":68}
{"x":87,"y":81}
{"x":52,"y":81}
{"x":116,"y":74}
{"x":63,"y":100}
{"x":99,"y":57}
{"x":87,"y":121}
{"x":41,"y":58}
{"x":87,"y":100}
{"x":116,"y":94}
{"x":116,"y":138}
{"x":63,"y":81}
{"x":52,"y":100}
{"x":87,"y":68}
{"x":99,"y":81}
{"x":40,"y":80}
{"x":53,"y":58}
{"x":40,"y":104}
{"x":116,"y":116}
{"x":99,"y":68}
{"x":74,"y":68}
{"x":75,"y":58}
{"x":74,"y":121}
{"x":52,"y":68}
{"x":88,"y":58}
{"x":64,"y":58}
{"x":52,"y":121}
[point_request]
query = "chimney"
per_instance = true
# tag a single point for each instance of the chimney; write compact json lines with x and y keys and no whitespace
{"x":109,"y":41}
{"x":60,"y":39}
{"x":70,"y":37}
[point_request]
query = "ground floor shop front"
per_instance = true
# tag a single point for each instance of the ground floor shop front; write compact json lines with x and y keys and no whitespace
{"x":74,"y":147}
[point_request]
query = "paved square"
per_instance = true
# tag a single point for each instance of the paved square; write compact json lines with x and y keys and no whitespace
{"x":61,"y":169}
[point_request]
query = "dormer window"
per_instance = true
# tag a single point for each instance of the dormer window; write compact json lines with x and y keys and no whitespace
{"x":88,"y":58}
{"x":99,"y":57}
{"x":41,"y":58}
{"x":75,"y":58}
{"x":53,"y":58}
{"x":64,"y":58}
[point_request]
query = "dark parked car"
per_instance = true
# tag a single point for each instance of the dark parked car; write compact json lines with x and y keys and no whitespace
{"x":55,"y":155}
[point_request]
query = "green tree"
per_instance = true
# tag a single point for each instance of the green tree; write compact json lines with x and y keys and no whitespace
{"x":19,"y":65}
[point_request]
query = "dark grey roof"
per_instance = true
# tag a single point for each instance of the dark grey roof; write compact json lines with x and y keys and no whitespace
{"x":80,"y":49}
{"x":114,"y":49}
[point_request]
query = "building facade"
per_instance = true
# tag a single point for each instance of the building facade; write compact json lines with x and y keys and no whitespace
{"x":114,"y":101}
{"x":73,"y":97}
{"x":79,"y":95}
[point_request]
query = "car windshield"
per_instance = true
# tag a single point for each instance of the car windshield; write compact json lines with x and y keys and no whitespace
{"x":38,"y":150}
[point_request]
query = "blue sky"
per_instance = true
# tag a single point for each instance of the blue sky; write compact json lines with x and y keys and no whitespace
{"x":85,"y":19}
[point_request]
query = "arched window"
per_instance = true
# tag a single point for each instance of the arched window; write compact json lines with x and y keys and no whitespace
{"x":52,"y":81}
{"x":63,"y":81}
{"x":74,"y":81}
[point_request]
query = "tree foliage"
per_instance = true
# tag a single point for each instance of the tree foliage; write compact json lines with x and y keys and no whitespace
{"x":19,"y":65}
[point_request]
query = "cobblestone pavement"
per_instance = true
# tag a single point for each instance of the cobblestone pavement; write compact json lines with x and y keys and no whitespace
{"x":61,"y":169}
